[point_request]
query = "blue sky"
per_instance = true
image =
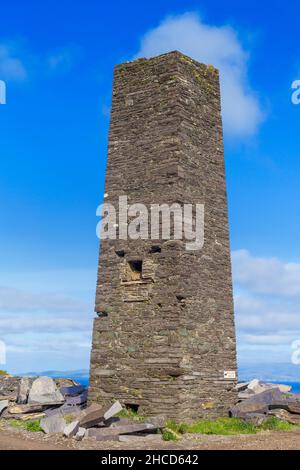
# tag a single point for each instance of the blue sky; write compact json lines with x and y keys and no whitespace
{"x":57,"y":60}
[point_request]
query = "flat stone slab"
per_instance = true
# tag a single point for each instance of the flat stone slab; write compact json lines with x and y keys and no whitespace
{"x":72,"y":391}
{"x":44,"y":391}
{"x":104,"y":433}
{"x":53,"y":425}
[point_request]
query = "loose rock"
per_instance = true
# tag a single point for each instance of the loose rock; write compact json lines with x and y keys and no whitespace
{"x":53,"y":425}
{"x":23,"y":390}
{"x":44,"y":391}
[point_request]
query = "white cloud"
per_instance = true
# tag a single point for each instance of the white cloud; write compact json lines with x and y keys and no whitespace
{"x":217,"y":45}
{"x":14,"y":300}
{"x":267,"y":307}
{"x":266,"y":275}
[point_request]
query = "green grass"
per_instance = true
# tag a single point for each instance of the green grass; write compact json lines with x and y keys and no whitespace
{"x":130,"y":414}
{"x":224,"y":427}
{"x":3,"y":372}
{"x":31,"y":426}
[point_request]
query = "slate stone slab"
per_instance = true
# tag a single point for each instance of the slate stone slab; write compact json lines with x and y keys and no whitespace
{"x":72,"y":391}
{"x":23,"y":390}
{"x":104,"y":433}
{"x":71,"y":429}
{"x":53,"y":425}
{"x":44,"y":390}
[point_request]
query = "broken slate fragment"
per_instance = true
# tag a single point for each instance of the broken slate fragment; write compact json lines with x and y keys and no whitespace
{"x":53,"y":425}
{"x":71,"y":429}
{"x":23,"y":390}
{"x":72,"y":391}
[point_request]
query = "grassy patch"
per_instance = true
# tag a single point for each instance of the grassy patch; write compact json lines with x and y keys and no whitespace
{"x":31,"y":426}
{"x":225,"y":427}
{"x":3,"y":372}
{"x":275,"y":424}
{"x":131,"y":414}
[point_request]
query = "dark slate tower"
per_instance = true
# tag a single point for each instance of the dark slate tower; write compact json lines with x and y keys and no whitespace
{"x":164,"y":340}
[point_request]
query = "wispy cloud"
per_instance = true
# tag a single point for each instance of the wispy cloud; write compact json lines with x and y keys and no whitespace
{"x":11,"y":65}
{"x":19,"y":62}
{"x":217,"y":45}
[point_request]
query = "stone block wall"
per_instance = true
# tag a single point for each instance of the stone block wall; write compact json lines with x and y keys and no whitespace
{"x":164,"y":340}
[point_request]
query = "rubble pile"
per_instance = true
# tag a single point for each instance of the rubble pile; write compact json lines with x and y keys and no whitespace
{"x":259,"y":400}
{"x":61,"y":407}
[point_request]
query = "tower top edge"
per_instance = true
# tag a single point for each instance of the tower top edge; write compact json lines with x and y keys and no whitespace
{"x":172,"y":55}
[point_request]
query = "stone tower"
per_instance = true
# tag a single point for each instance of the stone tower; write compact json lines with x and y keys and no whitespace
{"x":164,"y":339}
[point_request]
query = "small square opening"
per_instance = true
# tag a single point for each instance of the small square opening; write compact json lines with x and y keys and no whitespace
{"x":135,"y":269}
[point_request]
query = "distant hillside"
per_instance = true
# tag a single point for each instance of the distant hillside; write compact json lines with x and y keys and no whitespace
{"x":81,"y":375}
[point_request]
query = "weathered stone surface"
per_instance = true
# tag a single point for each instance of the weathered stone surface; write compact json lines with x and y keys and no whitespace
{"x":71,"y":429}
{"x":106,"y":433}
{"x":113,"y":410}
{"x":3,"y":405}
{"x":161,"y":343}
{"x":80,"y":434}
{"x":72,"y":391}
{"x":53,"y":425}
{"x":44,"y":390}
{"x":244,"y":409}
{"x":77,"y":400}
{"x":23,"y":390}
